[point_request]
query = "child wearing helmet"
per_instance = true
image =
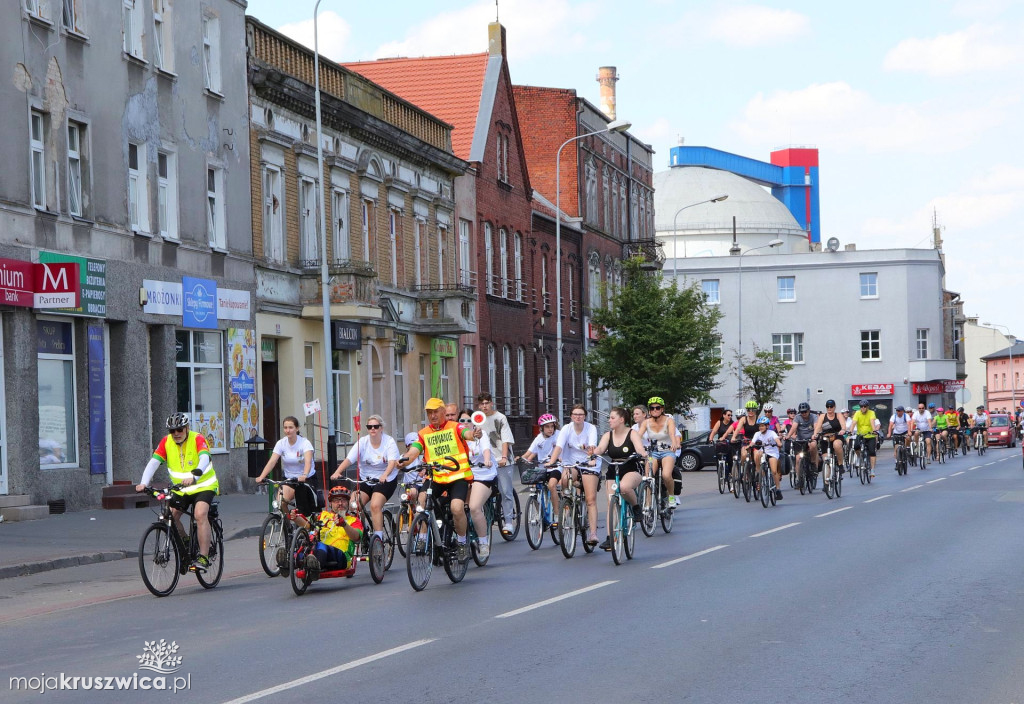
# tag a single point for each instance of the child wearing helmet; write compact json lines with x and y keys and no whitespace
{"x":540,"y":451}
{"x":340,"y":531}
{"x":766,"y":441}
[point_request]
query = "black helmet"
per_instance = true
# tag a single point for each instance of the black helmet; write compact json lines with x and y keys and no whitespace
{"x":830,"y":404}
{"x":177,"y":421}
{"x":804,"y":406}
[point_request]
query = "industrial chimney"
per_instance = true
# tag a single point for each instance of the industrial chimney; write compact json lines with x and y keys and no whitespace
{"x":607,"y":76}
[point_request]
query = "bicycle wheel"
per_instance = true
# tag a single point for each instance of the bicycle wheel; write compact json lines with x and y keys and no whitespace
{"x":419,"y":552}
{"x":474,"y":546}
{"x":863,"y":469}
{"x":748,"y":480}
{"x":300,"y":548}
{"x":211,"y":577}
{"x":378,"y":558}
{"x":159,"y":560}
{"x":827,"y":470}
{"x":402,"y":530}
{"x":553,"y":525}
{"x":389,"y":539}
{"x":721,"y":477}
{"x":629,"y":531}
{"x":667,"y":517}
{"x":584,"y":527}
{"x":516,"y":521}
{"x":770,"y":489}
{"x":567,"y":527}
{"x":271,"y":538}
{"x":615,"y":531}
{"x":453,"y":566}
{"x":649,"y":507}
{"x":838,"y":488}
{"x":735,"y":478}
{"x":534,"y":522}
{"x":792,"y":472}
{"x":801,"y":471}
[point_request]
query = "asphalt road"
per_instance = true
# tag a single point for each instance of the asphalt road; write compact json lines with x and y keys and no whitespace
{"x":906,"y":590}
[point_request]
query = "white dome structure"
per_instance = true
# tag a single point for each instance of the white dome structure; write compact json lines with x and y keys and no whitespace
{"x":707,"y":229}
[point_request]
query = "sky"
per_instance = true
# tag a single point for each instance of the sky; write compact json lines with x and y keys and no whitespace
{"x":915,"y":107}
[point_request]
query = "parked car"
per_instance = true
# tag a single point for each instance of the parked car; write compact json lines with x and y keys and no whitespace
{"x":1001,"y":431}
{"x":697,"y":452}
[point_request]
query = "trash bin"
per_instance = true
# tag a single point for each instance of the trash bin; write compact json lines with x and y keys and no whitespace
{"x":259,"y":455}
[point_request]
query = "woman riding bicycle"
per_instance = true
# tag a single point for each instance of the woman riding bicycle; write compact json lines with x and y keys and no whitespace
{"x":485,"y":474}
{"x":718,"y":437}
{"x":766,"y":441}
{"x":576,"y":441}
{"x":540,"y":450}
{"x":295,"y":453}
{"x":621,"y":442}
{"x":832,"y":424}
{"x":660,"y":431}
{"x":745,"y":427}
{"x":377,"y":455}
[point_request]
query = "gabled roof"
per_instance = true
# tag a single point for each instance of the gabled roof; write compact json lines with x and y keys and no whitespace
{"x":449,"y":87}
{"x":1018,"y":352}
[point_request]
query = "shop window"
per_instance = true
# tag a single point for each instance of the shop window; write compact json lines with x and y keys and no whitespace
{"x":58,"y":437}
{"x":200,"y":367}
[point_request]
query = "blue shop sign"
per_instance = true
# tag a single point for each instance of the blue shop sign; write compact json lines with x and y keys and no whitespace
{"x":200,"y":303}
{"x":243,"y":385}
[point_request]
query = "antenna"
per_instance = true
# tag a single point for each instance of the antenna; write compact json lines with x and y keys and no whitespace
{"x":496,"y":19}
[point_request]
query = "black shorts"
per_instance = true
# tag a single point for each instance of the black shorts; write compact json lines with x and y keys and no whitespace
{"x":622,"y":470}
{"x":870,"y":444}
{"x":458,"y":489}
{"x":182,"y":502}
{"x":489,"y":483}
{"x":555,"y":474}
{"x":386,"y":488}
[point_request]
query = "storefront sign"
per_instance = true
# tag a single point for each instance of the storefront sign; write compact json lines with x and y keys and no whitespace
{"x":402,"y":343}
{"x":948,"y":386}
{"x":17,"y":283}
{"x":200,"y":303}
{"x":92,"y":282}
{"x":443,"y":347}
{"x":233,"y":305}
{"x":97,"y":402}
{"x":163,"y":297}
{"x":53,"y":337}
{"x":274,"y":287}
{"x":57,"y":287}
{"x":346,"y":336}
{"x":243,"y":410}
{"x":268,"y":349}
{"x":872,"y":389}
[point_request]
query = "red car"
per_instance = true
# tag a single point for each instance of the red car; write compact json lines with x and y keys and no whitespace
{"x":1001,"y":431}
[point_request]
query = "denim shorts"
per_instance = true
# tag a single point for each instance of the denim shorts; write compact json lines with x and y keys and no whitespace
{"x":658,"y":454}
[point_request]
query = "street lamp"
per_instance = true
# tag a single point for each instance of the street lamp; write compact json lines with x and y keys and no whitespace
{"x":1013,"y":341}
{"x":613,"y":126}
{"x":739,"y":315}
{"x":324,"y":295}
{"x":675,"y":231}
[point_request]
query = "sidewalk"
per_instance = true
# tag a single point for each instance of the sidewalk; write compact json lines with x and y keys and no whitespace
{"x":84,"y":537}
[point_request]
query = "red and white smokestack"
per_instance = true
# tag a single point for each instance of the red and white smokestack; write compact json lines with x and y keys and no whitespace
{"x":606,"y":76}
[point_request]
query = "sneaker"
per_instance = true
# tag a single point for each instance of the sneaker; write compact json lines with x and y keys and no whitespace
{"x":312,"y":564}
{"x":638,"y":513}
{"x":673,"y":502}
{"x":592,"y":542}
{"x":872,"y":475}
{"x":483,"y":550}
{"x":201,"y":564}
{"x":463,"y":551}
{"x":508,"y":529}
{"x":282,"y":558}
{"x":606,"y":545}
{"x":778,"y":494}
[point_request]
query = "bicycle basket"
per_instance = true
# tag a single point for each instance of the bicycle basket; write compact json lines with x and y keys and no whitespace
{"x":531,"y":472}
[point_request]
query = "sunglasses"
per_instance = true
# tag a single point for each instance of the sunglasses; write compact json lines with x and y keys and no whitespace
{"x":656,"y":408}
{"x":465,"y":420}
{"x":375,"y":426}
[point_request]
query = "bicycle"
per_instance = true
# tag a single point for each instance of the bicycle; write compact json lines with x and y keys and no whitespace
{"x":831,"y":483}
{"x":650,"y":496}
{"x":747,"y":481}
{"x":276,"y":532}
{"x":538,"y":506}
{"x":734,"y":474}
{"x":855,"y":458}
{"x":620,"y":518}
{"x":432,"y":537}
{"x":790,"y":458}
{"x":164,"y":555}
{"x":900,"y":441}
{"x":765,"y":481}
{"x":951,"y":446}
{"x":303,"y":545}
{"x":862,"y":460}
{"x":939,"y":449}
{"x":724,"y":481}
{"x":365,"y":547}
{"x":406,"y":512}
{"x":807,"y":477}
{"x":574,"y":520}
{"x":980,"y":441}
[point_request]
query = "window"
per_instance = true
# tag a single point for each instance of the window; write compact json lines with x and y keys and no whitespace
{"x":308,"y":222}
{"x":163,"y":42}
{"x":273,"y":215}
{"x":501,"y":157}
{"x":468,"y":390}
{"x":38,"y":8}
{"x":308,"y":381}
{"x":710,"y":289}
{"x":870,"y":345}
{"x":442,"y":246}
{"x":719,"y":348}
{"x":37,"y":142}
{"x":341,"y":370}
{"x":570,"y":280}
{"x":58,"y":416}
{"x":465,"y":268}
{"x":488,"y":258}
{"x":417,"y":249}
{"x":167,"y":194}
{"x":594,"y":271}
{"x":211,"y":53}
{"x":131,"y":28}
{"x":922,"y":343}
{"x":545,"y":305}
{"x":339,"y":225}
{"x":545,"y":391}
{"x":517,"y":259}
{"x":138,"y":188}
{"x":491,"y":369}
{"x":367,"y":212}
{"x":869,"y":285}
{"x":445,"y":388}
{"x":787,"y":288}
{"x":75,"y":133}
{"x":393,"y":244}
{"x":521,"y":379}
{"x":787,"y":346}
{"x":399,"y":393}
{"x":70,"y":17}
{"x":424,"y":383}
{"x":506,"y":360}
{"x":200,"y":374}
{"x":503,"y":261}
{"x":215,"y":224}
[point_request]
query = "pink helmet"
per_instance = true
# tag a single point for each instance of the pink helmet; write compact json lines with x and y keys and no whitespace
{"x":545,"y":419}
{"x":939,"y":410}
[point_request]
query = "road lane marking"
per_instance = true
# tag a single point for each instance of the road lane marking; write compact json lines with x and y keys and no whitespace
{"x":911,"y":488}
{"x":775,"y":530}
{"x":971,"y":469}
{"x":687,"y":557}
{"x":956,"y":474}
{"x":327,"y":673}
{"x":838,"y":510}
{"x":877,"y":498}
{"x":932,"y":481}
{"x":554,"y":599}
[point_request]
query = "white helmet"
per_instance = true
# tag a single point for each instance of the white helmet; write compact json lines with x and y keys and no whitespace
{"x":767,"y":407}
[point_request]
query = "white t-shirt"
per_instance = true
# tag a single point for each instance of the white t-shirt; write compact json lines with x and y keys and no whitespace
{"x":293,"y":459}
{"x":900,"y":425}
{"x":572,"y":443}
{"x":497,"y":430}
{"x":922,"y":420}
{"x":476,"y":456}
{"x":374,"y":460}
{"x":980,"y":418}
{"x":542,"y":447}
{"x":770,"y":440}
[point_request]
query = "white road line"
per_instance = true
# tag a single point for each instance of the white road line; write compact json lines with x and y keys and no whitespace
{"x":327,"y":673}
{"x":956,"y":474}
{"x":911,"y":488}
{"x":554,"y":599}
{"x":838,"y":510}
{"x":971,"y":469}
{"x":877,"y":498}
{"x":932,"y":481}
{"x":687,"y":557}
{"x":775,"y":530}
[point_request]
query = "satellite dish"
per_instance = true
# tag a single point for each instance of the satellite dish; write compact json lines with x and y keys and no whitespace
{"x":832,"y":244}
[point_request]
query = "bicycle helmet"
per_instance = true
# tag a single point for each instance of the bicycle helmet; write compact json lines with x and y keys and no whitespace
{"x":738,"y":413}
{"x":751,"y":405}
{"x":177,"y":421}
{"x":763,"y":420}
{"x":656,"y":400}
{"x":980,"y":408}
{"x":845,"y":411}
{"x":804,"y":406}
{"x":830,"y":404}
{"x":339,"y":492}
{"x":939,"y":410}
{"x":790,"y":410}
{"x":931,"y":406}
{"x":767,"y":407}
{"x":545,"y":419}
{"x":900,"y":409}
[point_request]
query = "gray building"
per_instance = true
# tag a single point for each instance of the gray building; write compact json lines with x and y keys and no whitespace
{"x":126,"y":166}
{"x":870,"y":325}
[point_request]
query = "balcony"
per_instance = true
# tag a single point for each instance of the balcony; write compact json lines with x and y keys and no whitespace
{"x":445,"y":309}
{"x":350,"y":283}
{"x":508,"y":289}
{"x":651,"y":251}
{"x":932,"y":369}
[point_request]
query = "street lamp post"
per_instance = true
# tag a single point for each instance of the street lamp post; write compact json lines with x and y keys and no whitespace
{"x":613,"y":126}
{"x":739,"y":314}
{"x":1013,"y":341}
{"x":325,"y":296}
{"x":675,"y":231}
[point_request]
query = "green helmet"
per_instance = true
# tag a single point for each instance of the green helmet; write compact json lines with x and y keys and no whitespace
{"x":752,"y":405}
{"x":655,"y":400}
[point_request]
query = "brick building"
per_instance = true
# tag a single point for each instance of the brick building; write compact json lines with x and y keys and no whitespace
{"x":493,"y":208}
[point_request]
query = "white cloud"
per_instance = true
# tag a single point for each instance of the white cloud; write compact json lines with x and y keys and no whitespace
{"x":659,"y":133}
{"x":843,"y":119}
{"x":977,"y":48}
{"x":534,"y":27}
{"x":756,"y":25}
{"x":333,"y":32}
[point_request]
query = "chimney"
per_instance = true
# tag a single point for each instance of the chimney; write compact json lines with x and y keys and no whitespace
{"x":496,"y":39}
{"x":607,"y":76}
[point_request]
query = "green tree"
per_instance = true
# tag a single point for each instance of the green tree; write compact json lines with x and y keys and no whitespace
{"x":763,"y":374}
{"x":655,"y":340}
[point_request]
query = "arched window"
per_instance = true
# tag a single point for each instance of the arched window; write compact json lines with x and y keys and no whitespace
{"x":521,"y":379}
{"x":491,"y":370}
{"x":518,"y":263}
{"x":506,"y":359}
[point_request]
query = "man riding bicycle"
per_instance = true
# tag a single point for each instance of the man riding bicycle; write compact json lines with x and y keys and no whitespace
{"x":899,"y":426}
{"x":185,"y":452}
{"x":922,"y":421}
{"x":981,"y":424}
{"x":866,"y":424}
{"x":801,"y":431}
